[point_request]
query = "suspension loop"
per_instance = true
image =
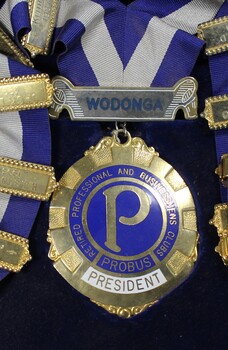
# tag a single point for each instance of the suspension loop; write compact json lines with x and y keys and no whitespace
{"x":122,"y":125}
{"x":120,"y":133}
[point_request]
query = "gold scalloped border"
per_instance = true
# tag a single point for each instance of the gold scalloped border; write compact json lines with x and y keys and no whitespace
{"x":222,"y":247}
{"x":208,"y":112}
{"x":125,"y":312}
{"x":18,"y":54}
{"x":221,"y":170}
{"x":33,"y":78}
{"x":25,"y":256}
{"x":216,"y":220}
{"x":45,"y":170}
{"x":216,"y":49}
{"x":33,"y":49}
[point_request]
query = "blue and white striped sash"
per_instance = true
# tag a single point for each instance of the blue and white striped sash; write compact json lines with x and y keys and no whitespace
{"x":23,"y":135}
{"x":108,"y":43}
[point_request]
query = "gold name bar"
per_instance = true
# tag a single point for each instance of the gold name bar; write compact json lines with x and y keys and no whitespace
{"x":43,"y":16}
{"x":14,"y":252}
{"x":220,"y":221}
{"x":222,"y":170}
{"x":10,"y":49}
{"x":216,"y":112}
{"x":25,"y":92}
{"x":28,"y":180}
{"x":215,"y":33}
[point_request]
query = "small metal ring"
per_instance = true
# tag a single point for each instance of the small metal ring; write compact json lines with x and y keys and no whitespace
{"x":124,"y":132}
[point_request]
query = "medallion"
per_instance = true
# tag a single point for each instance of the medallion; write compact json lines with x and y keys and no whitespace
{"x":123,"y":226}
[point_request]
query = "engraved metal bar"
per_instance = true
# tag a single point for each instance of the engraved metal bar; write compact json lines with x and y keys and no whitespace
{"x":25,"y":92}
{"x":215,"y":33}
{"x":14,"y":252}
{"x":222,"y":170}
{"x":10,"y":49}
{"x":220,"y":221}
{"x":24,"y":179}
{"x":43,"y":16}
{"x":216,"y":112}
{"x":123,"y":103}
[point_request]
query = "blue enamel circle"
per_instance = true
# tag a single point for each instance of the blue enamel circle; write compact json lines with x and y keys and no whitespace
{"x":116,"y":210}
{"x":130,"y":239}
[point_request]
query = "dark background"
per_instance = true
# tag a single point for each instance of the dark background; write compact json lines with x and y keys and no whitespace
{"x":40,"y":310}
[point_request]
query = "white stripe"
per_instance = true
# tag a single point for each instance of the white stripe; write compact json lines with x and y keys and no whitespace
{"x":96,"y":41}
{"x":102,"y":54}
{"x":191,"y":15}
{"x":5,"y":14}
{"x":158,"y":36}
{"x":149,"y":54}
{"x":10,"y":135}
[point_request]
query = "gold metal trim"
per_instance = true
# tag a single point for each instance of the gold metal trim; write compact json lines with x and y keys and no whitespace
{"x":14,"y":252}
{"x":42,"y":15}
{"x":220,"y":221}
{"x":123,"y":157}
{"x":69,"y":257}
{"x":178,"y":260}
{"x":215,"y":33}
{"x":10,"y":49}
{"x":125,"y":312}
{"x":25,"y":179}
{"x":52,"y":254}
{"x":215,"y":112}
{"x":25,"y":92}
{"x":222,"y":170}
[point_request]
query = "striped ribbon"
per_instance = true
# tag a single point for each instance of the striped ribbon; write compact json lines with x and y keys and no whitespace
{"x":118,"y":45}
{"x":23,"y":135}
{"x":219,"y":77}
{"x":142,"y":44}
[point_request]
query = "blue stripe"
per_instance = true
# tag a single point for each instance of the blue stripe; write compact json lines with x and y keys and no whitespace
{"x":126,"y":26}
{"x":219,"y":77}
{"x":178,"y":56}
{"x":68,"y":34}
{"x":36,"y":136}
{"x":73,"y":63}
{"x":3,"y":274}
{"x":20,"y":18}
{"x":21,"y":213}
{"x":126,"y":29}
{"x":160,"y":8}
{"x":218,"y":66}
{"x":223,"y":11}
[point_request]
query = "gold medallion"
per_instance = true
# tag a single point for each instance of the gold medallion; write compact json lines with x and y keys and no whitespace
{"x":123,"y":226}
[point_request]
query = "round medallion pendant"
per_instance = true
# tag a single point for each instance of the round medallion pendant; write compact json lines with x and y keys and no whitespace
{"x":123,"y":226}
